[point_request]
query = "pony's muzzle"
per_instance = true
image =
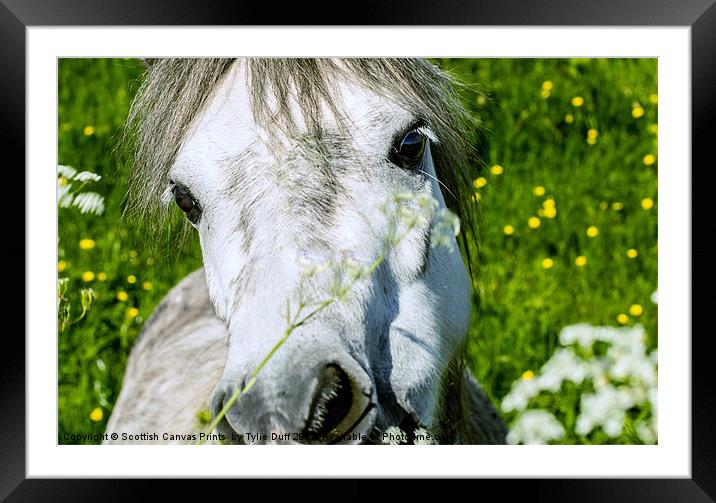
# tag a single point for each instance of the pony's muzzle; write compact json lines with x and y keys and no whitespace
{"x":334,"y":407}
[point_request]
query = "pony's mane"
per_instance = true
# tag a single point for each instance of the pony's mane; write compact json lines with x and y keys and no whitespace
{"x":175,"y":90}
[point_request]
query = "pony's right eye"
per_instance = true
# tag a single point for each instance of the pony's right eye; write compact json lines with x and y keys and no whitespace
{"x":408,"y":151}
{"x":187,"y":203}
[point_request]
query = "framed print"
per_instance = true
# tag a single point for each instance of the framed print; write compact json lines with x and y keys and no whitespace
{"x":470,"y":244}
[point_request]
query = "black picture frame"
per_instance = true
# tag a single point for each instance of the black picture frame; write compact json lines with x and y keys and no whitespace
{"x":700,"y":15}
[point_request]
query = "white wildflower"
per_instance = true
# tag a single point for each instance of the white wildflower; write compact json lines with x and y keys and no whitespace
{"x":535,"y":427}
{"x":64,"y":195}
{"x":654,"y":357}
{"x":87,"y":176}
{"x":636,"y":367}
{"x":66,"y":171}
{"x":606,"y":408}
{"x":89,"y":202}
{"x":585,"y":335}
{"x":563,"y":366}
{"x":655,"y":297}
{"x":521,"y":393}
{"x":68,"y":195}
{"x":646,"y":430}
{"x":654,"y":399}
{"x":622,"y":378}
{"x":446,"y":225}
{"x":414,"y":210}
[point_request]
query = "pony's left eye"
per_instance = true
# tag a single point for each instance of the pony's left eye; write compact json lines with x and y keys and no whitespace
{"x":186,"y":203}
{"x":408,"y":151}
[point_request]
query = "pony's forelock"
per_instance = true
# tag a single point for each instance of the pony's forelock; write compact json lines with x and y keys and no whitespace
{"x":175,"y":91}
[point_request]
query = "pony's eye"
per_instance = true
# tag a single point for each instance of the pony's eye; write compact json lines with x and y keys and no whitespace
{"x":187,"y":203}
{"x":408,"y":152}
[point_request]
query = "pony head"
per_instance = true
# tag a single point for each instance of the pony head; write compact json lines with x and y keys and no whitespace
{"x":343,"y":317}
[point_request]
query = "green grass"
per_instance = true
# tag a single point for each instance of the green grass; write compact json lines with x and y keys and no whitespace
{"x":523,"y":305}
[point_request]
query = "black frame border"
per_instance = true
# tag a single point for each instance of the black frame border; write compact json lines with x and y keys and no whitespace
{"x":700,"y":15}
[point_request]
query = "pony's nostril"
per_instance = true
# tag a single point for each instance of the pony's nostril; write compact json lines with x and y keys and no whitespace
{"x":332,"y":403}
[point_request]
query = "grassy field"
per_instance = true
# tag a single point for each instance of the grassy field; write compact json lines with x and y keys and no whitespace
{"x":568,"y":200}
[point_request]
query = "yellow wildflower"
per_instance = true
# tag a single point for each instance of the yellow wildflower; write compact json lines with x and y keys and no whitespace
{"x":497,"y":169}
{"x":569,"y":118}
{"x":617,"y":206}
{"x":147,"y":285}
{"x":88,"y":130}
{"x":132,"y":312}
{"x":647,"y":203}
{"x":87,"y":244}
{"x":527,"y":375}
{"x":545,"y":93}
{"x":654,"y":128}
{"x":102,"y":276}
{"x":122,"y":296}
{"x":637,"y":111}
{"x":577,"y":101}
{"x":87,"y":276}
{"x":480,"y":182}
{"x":508,"y":230}
{"x":534,"y":222}
{"x":538,"y":191}
{"x":548,"y":263}
{"x":476,"y":196}
{"x":61,"y":265}
{"x":547,"y":85}
{"x":654,"y":99}
{"x":131,"y":279}
{"x":550,"y":212}
{"x":622,"y":318}
{"x":649,"y":159}
{"x":581,"y":261}
{"x":592,"y":136}
{"x":632,"y":253}
{"x":592,"y":231}
{"x":636,"y":310}
{"x":96,"y":415}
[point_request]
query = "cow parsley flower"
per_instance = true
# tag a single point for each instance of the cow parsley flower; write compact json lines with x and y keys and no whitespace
{"x":606,"y":408}
{"x":535,"y":427}
{"x":521,"y":393}
{"x":563,"y":366}
{"x":621,"y":378}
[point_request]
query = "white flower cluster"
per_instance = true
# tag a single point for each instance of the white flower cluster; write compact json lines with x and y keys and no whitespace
{"x":408,"y":210}
{"x":69,"y":195}
{"x":625,"y":376}
{"x":535,"y":427}
{"x":343,"y":261}
{"x":405,"y":211}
